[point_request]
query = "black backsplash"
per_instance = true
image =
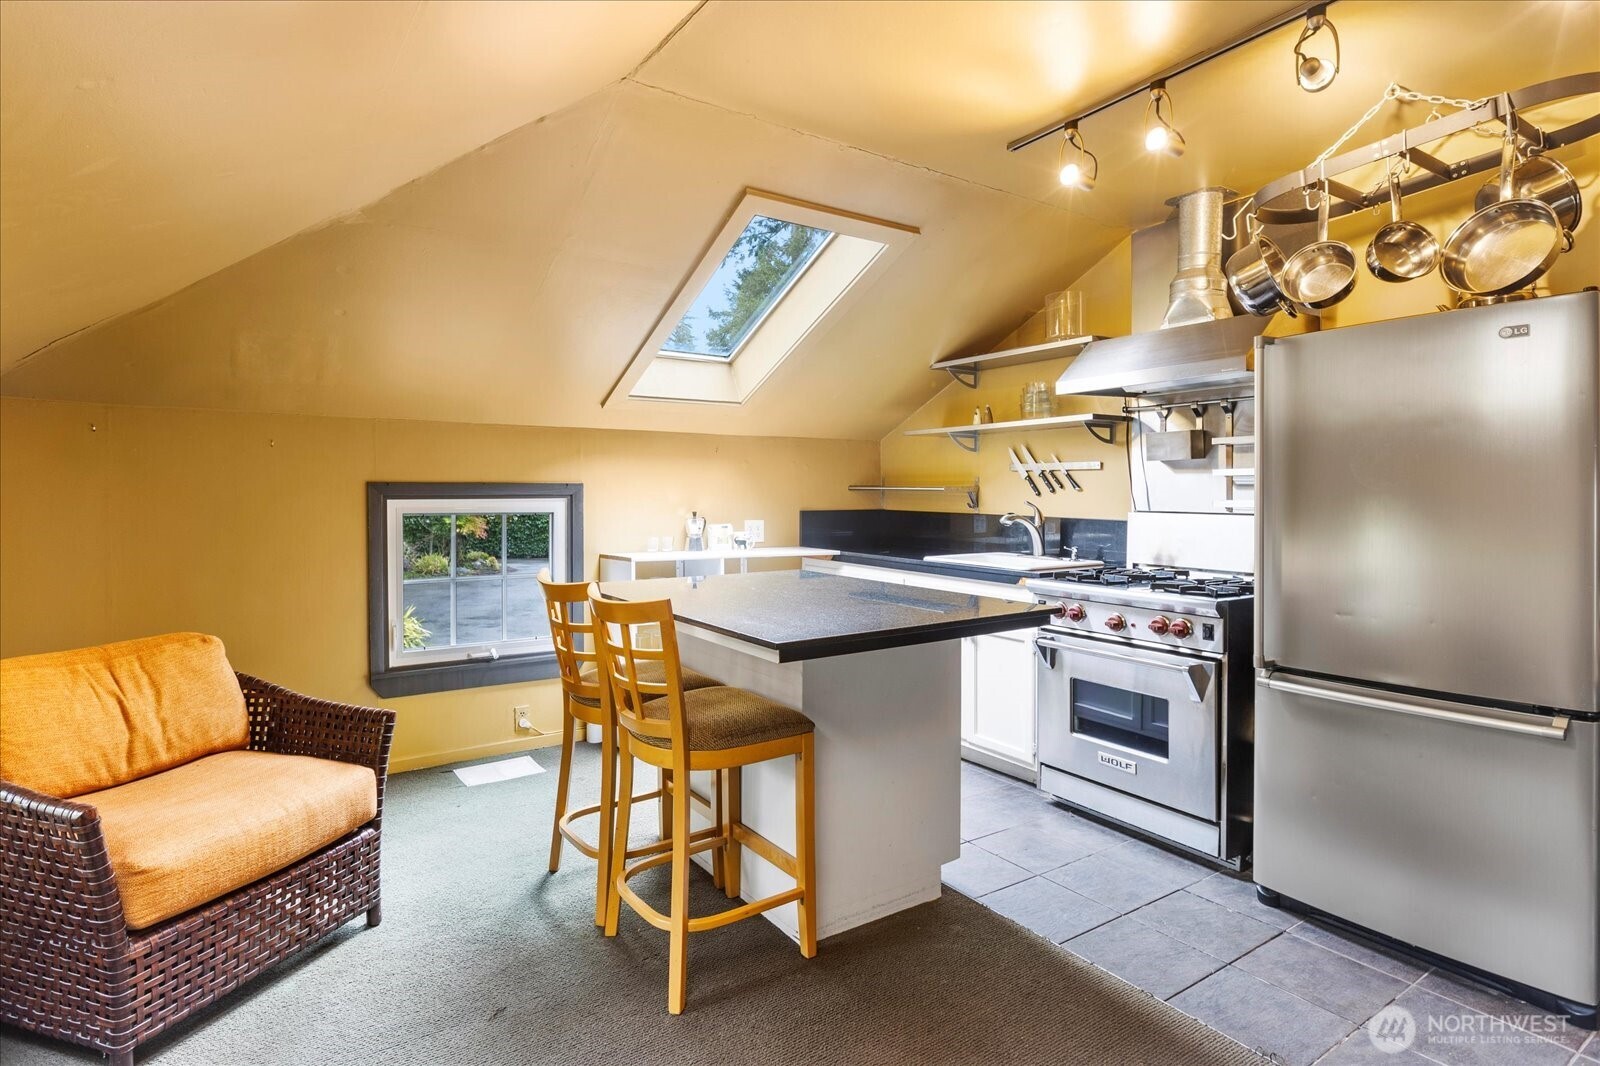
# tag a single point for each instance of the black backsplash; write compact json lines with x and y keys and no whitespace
{"x":914,"y":534}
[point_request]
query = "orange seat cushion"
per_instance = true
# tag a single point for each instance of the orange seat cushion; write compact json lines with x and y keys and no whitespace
{"x":187,"y":836}
{"x":77,"y":721}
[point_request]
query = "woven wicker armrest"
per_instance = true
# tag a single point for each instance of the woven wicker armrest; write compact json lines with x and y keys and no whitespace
{"x":289,"y":723}
{"x":56,"y":884}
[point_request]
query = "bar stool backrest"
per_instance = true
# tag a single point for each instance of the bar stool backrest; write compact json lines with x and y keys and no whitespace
{"x":565,"y":605}
{"x":621,"y":660}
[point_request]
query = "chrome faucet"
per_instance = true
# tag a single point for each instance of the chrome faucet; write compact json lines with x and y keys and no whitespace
{"x":1034,"y":526}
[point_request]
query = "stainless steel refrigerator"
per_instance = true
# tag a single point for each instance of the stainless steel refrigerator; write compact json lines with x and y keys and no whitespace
{"x":1428,"y":637}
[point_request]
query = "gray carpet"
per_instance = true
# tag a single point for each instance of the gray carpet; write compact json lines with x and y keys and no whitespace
{"x":483,"y":957}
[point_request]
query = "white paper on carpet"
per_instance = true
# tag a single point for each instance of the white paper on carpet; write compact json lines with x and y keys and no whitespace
{"x":487,"y":773}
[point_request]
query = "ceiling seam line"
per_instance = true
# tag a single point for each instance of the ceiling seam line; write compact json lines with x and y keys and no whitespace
{"x":867,"y":151}
{"x":679,"y":28}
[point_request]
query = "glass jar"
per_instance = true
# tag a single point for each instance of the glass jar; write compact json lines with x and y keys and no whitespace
{"x":1063,"y":315}
{"x":1038,"y":400}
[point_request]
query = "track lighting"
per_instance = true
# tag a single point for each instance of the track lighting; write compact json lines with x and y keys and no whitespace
{"x":1160,"y":135}
{"x":1312,"y":72}
{"x":1079,"y":172}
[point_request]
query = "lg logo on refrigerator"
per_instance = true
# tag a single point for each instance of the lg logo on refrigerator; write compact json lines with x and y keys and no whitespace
{"x":1507,"y":332}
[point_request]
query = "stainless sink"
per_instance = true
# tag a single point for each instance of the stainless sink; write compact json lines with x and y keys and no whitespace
{"x":1031,"y":564}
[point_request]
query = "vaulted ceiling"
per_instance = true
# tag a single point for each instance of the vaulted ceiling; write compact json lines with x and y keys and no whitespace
{"x":148,"y":144}
{"x":478,"y":211}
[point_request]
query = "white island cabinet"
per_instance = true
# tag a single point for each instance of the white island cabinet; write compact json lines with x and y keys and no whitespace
{"x":999,"y":713}
{"x":877,"y":667}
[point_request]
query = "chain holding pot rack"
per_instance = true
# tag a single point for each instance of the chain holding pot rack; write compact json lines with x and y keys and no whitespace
{"x":1289,"y":199}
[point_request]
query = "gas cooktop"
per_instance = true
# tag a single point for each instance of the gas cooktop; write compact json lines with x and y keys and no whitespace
{"x":1176,"y":580}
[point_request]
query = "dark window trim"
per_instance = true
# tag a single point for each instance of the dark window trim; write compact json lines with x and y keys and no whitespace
{"x":390,"y":681}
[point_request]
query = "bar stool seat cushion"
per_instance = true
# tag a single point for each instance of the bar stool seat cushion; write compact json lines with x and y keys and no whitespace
{"x":650,"y":672}
{"x":723,"y":717}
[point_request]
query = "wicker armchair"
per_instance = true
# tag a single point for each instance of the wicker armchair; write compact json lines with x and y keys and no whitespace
{"x":70,"y":967}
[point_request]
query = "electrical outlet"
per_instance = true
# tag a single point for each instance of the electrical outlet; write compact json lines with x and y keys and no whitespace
{"x":756,"y":530}
{"x":520,"y":720}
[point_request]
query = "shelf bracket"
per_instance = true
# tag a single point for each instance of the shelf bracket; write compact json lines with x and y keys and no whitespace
{"x":1109,"y":437}
{"x":966,"y":439}
{"x":965,"y":375}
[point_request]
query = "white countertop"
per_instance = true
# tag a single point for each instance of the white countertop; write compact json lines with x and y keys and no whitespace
{"x":723,"y":553}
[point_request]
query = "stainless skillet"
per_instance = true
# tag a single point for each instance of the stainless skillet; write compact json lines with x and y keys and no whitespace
{"x":1507,"y":245}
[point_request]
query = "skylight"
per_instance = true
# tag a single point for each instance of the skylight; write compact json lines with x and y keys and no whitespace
{"x":758,"y":270}
{"x":776,"y":270}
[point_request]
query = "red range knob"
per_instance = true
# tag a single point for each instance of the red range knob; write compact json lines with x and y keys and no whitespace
{"x":1181,"y":628}
{"x":1159,"y":625}
{"x":1116,"y":623}
{"x":1077,"y":613}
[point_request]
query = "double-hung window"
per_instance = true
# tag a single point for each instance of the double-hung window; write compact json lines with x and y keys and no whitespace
{"x":455,"y":600}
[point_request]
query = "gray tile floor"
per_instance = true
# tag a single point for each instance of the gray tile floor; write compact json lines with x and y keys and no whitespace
{"x":1197,"y":938}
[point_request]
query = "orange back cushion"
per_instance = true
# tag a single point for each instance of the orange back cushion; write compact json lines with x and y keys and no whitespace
{"x":75,"y":721}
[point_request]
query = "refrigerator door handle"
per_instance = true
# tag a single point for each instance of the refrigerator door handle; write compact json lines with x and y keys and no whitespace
{"x":1462,"y":714}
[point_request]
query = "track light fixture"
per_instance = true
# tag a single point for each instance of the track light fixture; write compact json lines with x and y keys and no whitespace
{"x":1161,"y":137}
{"x":1080,"y":171}
{"x":1312,"y":72}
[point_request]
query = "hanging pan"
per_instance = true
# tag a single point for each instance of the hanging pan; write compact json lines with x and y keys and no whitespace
{"x":1323,"y":272}
{"x":1401,"y":250}
{"x":1253,"y":275}
{"x":1507,"y":245}
{"x":1548,"y":181}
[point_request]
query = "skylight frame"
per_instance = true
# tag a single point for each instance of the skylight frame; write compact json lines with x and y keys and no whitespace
{"x":752,"y":328}
{"x":840,"y":273}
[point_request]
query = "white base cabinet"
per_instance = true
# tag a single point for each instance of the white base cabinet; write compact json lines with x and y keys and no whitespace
{"x":998,"y":713}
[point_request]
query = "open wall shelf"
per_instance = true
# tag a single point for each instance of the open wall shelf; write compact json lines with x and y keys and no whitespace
{"x":971,"y":490}
{"x":966,"y":368}
{"x":967,"y":436}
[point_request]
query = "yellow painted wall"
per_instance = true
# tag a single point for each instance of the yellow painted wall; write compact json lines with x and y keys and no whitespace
{"x":121,"y":521}
{"x":937,"y":460}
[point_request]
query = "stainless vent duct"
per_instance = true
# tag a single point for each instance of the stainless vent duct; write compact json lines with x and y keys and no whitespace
{"x":1199,"y":292}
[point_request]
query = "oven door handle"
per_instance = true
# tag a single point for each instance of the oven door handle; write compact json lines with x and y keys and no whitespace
{"x":1459,"y":713}
{"x":1198,"y":674}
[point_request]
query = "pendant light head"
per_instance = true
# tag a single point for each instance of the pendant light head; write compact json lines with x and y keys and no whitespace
{"x":1080,"y":170}
{"x":1161,"y":137}
{"x":1313,"y":72}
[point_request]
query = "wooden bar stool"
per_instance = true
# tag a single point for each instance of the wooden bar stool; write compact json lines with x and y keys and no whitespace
{"x":585,"y":700}
{"x":716,"y":729}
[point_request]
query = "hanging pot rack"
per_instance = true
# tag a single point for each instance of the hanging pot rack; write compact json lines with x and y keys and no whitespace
{"x":1287,"y":200}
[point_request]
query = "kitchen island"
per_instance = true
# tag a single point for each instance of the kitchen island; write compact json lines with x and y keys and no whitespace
{"x":877,"y":667}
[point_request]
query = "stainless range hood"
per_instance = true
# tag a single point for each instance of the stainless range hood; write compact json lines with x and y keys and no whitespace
{"x":1200,"y":355}
{"x":1200,"y":342}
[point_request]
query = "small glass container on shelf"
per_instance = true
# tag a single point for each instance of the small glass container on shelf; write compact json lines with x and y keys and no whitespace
{"x":1038,"y":400}
{"x":1063,"y":315}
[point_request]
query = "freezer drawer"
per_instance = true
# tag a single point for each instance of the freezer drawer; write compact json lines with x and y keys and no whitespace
{"x":1437,"y":824}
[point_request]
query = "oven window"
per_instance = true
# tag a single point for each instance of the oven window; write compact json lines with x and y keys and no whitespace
{"x":1118,"y":716}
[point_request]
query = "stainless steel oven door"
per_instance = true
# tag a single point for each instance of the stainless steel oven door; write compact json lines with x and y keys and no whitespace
{"x":1138,"y":721}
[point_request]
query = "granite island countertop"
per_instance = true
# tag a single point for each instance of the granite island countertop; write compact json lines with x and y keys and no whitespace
{"x":799,"y":614}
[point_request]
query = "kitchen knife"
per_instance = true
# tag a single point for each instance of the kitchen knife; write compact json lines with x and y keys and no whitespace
{"x":1025,"y":475}
{"x":1044,"y":475}
{"x":1070,"y":479}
